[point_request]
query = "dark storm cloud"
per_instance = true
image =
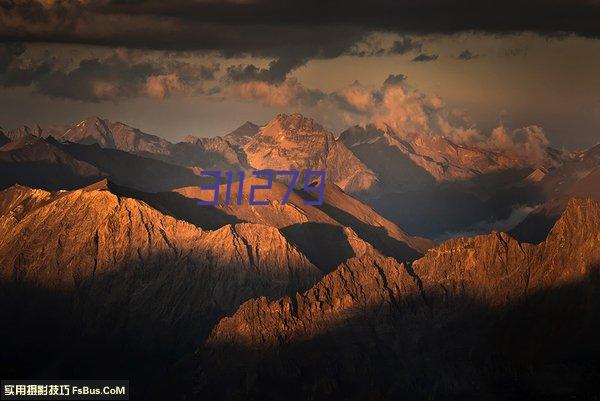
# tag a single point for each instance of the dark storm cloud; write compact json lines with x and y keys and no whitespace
{"x":96,"y":80}
{"x":251,"y":25}
{"x":277,"y":70}
{"x":405,"y":45}
{"x":290,"y":32}
{"x":422,"y":58}
{"x":373,"y":47}
{"x":114,"y":77}
{"x":467,"y":55}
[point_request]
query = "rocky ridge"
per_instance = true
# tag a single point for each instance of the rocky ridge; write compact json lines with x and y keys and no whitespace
{"x":373,"y":326}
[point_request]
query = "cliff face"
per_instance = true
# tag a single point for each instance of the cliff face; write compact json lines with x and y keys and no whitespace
{"x":456,"y":321}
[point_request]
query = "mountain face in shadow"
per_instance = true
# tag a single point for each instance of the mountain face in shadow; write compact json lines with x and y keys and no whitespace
{"x":243,"y":134}
{"x":485,"y":317}
{"x":41,"y":163}
{"x":208,"y":153}
{"x":134,"y":171}
{"x":46,"y":163}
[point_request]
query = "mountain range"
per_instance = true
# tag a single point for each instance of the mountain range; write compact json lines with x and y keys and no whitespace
{"x":402,"y":178}
{"x":105,"y":252}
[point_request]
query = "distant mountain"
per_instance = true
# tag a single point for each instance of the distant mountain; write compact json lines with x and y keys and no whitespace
{"x":214,"y":153}
{"x":405,"y":180}
{"x":485,"y":315}
{"x":41,"y":163}
{"x":295,"y":142}
{"x":207,"y":153}
{"x":243,"y":134}
{"x":438,"y":188}
{"x":37,"y":131}
{"x":560,"y":180}
{"x":579,"y":177}
{"x":49,"y":164}
{"x":134,"y":171}
{"x":94,"y":130}
{"x":404,"y":164}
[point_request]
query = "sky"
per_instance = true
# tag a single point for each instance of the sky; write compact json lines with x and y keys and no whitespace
{"x":204,"y":67}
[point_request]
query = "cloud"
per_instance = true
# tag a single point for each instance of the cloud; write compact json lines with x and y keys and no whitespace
{"x":161,"y":86}
{"x":409,"y":113}
{"x":120,"y":75}
{"x":525,"y":143}
{"x":354,"y":98}
{"x":276,"y":72}
{"x":287,"y":32}
{"x":514,"y":52}
{"x":375,"y":45}
{"x":405,"y":45}
{"x":288,"y":93}
{"x":423,"y":58}
{"x":466,"y":55}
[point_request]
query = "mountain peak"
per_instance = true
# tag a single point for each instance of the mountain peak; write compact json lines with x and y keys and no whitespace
{"x":102,"y":185}
{"x":191,"y":139}
{"x":248,"y":125}
{"x":294,"y":125}
{"x":242,"y":134}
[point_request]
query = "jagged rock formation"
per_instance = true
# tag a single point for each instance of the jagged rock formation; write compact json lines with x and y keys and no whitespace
{"x":455,"y":322}
{"x":296,"y":142}
{"x":361,"y":283}
{"x":37,"y":131}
